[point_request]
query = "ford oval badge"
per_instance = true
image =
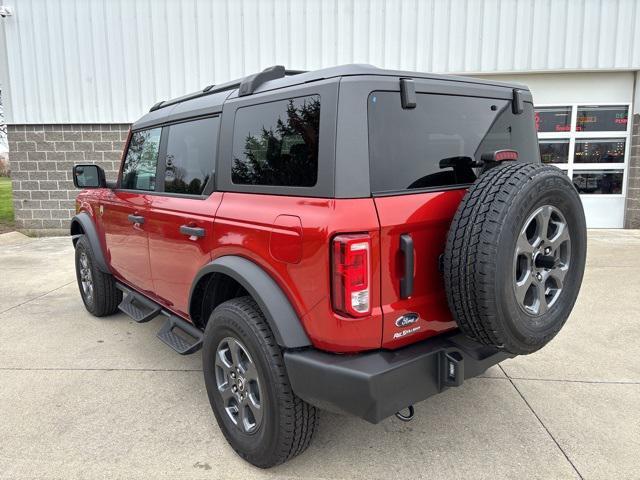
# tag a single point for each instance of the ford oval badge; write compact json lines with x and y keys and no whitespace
{"x":407,"y":319}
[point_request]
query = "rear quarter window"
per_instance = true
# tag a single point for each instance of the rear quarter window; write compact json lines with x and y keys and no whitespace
{"x":276,"y":143}
{"x":407,"y":147}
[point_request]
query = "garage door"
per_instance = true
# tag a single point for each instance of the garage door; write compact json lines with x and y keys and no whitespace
{"x":591,"y":144}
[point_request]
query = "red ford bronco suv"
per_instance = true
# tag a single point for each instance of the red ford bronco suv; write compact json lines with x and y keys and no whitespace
{"x":350,"y":239}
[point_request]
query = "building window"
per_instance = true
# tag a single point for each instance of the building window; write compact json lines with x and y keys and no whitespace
{"x":598,"y":181}
{"x":602,"y":119}
{"x":590,"y":143}
{"x":554,"y":150}
{"x":553,"y":119}
{"x":599,"y":150}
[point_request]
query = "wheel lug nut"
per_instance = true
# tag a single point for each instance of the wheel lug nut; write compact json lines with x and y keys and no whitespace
{"x":233,"y":375}
{"x":538,"y":277}
{"x":234,"y":389}
{"x":547,"y":251}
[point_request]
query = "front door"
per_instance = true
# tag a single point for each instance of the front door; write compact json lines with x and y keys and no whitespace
{"x":124,"y":212}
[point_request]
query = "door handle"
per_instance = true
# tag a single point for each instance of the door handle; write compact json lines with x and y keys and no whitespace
{"x":406,"y":282}
{"x":136,"y":219}
{"x":191,"y":231}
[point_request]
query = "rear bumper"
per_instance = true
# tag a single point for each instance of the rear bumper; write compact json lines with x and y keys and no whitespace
{"x":375,"y":385}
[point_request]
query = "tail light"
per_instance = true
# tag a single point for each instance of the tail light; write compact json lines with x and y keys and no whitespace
{"x":350,"y":282}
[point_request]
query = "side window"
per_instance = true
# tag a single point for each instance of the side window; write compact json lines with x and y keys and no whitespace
{"x":191,"y":152}
{"x":139,"y":169}
{"x":276,"y":143}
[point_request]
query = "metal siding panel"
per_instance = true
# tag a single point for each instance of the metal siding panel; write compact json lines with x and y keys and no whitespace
{"x":110,"y":60}
{"x":508,"y":34}
{"x":457,"y":35}
{"x":624,"y":31}
{"x":556,"y":46}
{"x":634,"y":59}
{"x":376,"y":37}
{"x":440,"y":47}
{"x":591,"y":39}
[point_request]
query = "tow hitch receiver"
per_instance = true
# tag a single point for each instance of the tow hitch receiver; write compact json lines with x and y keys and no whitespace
{"x":452,"y":371}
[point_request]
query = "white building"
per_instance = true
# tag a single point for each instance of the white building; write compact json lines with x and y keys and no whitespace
{"x":67,"y":64}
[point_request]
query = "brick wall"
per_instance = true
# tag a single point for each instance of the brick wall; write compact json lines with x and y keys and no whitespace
{"x":41,"y":158}
{"x":632,"y":213}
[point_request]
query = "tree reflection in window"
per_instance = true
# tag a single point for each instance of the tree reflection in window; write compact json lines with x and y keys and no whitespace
{"x":139,"y":169}
{"x":285,"y":151}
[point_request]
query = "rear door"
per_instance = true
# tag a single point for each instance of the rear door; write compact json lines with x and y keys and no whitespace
{"x":181,"y":215}
{"x":124,"y":210}
{"x":419,"y":168}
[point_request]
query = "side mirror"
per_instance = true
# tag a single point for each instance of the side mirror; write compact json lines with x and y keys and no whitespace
{"x":89,"y":176}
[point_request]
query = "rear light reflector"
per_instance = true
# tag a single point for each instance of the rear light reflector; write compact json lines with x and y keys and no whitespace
{"x":500,"y":156}
{"x":350,"y":282}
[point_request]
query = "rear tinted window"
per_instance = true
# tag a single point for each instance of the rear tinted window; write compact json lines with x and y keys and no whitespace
{"x":409,"y":147}
{"x":277,"y":143}
{"x":139,"y":169}
{"x":190,"y":159}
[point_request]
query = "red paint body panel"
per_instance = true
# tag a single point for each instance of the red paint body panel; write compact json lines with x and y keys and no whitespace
{"x":175,"y":258}
{"x":127,"y":244}
{"x":426,"y":217}
{"x":285,"y":242}
{"x":244,"y":226}
{"x":290,"y":238}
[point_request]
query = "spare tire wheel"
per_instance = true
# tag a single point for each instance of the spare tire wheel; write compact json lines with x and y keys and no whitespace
{"x":515,"y":256}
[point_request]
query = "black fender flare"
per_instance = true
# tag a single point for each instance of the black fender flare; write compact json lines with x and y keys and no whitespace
{"x":275,"y":306}
{"x":84,"y":220}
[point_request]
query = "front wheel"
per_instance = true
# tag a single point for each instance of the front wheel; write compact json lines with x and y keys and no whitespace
{"x":248,"y":387}
{"x":98,"y":289}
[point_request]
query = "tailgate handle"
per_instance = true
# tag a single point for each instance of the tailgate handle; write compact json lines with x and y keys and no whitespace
{"x":406,"y":282}
{"x":191,"y":231}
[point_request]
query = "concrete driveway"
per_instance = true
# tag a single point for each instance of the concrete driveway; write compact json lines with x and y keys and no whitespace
{"x":82,"y":397}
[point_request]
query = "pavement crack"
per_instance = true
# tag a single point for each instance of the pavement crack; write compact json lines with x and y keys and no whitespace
{"x":542,"y":423}
{"x":560,"y":380}
{"x":564,"y":380}
{"x":36,"y":297}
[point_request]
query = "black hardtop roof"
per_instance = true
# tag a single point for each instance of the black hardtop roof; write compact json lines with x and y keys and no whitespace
{"x":211,"y":98}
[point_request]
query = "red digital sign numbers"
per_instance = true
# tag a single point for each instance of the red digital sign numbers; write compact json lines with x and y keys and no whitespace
{"x":602,"y":118}
{"x":553,"y":119}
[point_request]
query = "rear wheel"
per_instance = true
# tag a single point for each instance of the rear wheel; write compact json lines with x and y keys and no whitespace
{"x":515,"y":256}
{"x":248,"y":387}
{"x":98,"y":289}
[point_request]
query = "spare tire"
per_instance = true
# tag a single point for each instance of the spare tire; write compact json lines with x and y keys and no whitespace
{"x":515,"y":256}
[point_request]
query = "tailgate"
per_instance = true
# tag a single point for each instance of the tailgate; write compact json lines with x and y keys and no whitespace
{"x":423,"y":221}
{"x":422,"y":159}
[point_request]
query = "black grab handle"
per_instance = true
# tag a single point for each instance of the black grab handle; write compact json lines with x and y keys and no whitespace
{"x":192,"y":231}
{"x":406,"y":282}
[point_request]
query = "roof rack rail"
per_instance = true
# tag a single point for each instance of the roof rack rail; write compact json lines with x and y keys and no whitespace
{"x":247,"y":85}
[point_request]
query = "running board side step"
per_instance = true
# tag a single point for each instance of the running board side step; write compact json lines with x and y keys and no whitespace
{"x":180,"y":335}
{"x":136,"y":306}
